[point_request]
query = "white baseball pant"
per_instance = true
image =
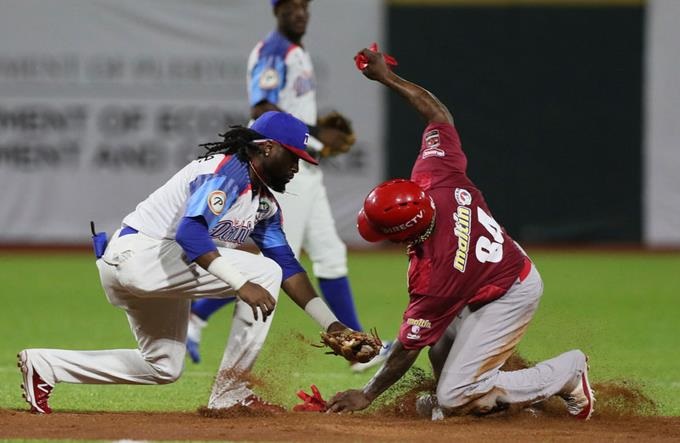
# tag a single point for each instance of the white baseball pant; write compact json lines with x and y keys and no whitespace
{"x":150,"y":280}
{"x":477,"y":344}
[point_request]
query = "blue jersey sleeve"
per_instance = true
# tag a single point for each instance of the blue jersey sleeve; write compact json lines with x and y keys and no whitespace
{"x":285,"y":258}
{"x":268,"y":78}
{"x":192,"y":235}
{"x":211,"y":196}
{"x":269,"y":237}
{"x":268,"y":233}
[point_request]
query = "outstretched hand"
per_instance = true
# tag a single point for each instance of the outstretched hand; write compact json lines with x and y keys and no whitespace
{"x":348,"y":401}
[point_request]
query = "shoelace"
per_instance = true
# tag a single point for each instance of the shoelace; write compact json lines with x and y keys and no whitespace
{"x":575,"y":404}
{"x":254,"y":398}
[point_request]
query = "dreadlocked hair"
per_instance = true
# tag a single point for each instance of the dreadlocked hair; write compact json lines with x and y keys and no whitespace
{"x":237,"y":141}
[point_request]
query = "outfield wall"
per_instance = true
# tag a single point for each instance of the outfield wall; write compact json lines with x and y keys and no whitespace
{"x":661,"y":194}
{"x":102,"y":101}
{"x":568,"y":110}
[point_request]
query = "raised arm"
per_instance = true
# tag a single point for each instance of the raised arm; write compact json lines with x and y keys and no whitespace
{"x":427,"y":105}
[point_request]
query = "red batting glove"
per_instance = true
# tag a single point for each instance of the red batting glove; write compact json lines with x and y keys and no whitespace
{"x":361,"y":62}
{"x":311,"y":403}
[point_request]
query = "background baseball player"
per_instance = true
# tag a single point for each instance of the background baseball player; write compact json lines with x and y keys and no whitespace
{"x":281,"y":77}
{"x":177,"y":244}
{"x":472,"y":290}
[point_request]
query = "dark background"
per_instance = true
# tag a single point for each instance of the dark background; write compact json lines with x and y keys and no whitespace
{"x":547,"y":101}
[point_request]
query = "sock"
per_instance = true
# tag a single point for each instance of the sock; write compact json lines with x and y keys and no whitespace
{"x":206,"y":307}
{"x":338,"y":295}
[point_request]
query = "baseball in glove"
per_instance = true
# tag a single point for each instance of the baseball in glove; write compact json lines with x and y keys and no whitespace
{"x":336,"y":133}
{"x":354,"y":346}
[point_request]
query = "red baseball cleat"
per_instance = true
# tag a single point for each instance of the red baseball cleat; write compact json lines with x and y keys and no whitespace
{"x":36,"y":390}
{"x":581,"y":400}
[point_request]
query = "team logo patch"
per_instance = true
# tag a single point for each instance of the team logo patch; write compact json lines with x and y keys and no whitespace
{"x":432,"y":143}
{"x":417,"y":324}
{"x":463,"y":196}
{"x":216,"y":202}
{"x":414,"y":334}
{"x":269,"y":79}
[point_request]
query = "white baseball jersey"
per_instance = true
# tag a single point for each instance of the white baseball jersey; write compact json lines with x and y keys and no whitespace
{"x":281,"y":73}
{"x":217,"y":188}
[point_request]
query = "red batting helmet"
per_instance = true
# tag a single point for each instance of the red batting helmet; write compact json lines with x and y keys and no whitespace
{"x":397,"y":210}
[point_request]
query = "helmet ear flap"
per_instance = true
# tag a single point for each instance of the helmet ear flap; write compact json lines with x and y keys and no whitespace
{"x":366,"y":229}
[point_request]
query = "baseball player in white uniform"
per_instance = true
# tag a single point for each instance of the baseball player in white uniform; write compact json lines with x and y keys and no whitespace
{"x":178,"y":244}
{"x":281,"y":77}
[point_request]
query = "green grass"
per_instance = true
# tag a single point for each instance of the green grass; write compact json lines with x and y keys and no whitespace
{"x":621,"y":309}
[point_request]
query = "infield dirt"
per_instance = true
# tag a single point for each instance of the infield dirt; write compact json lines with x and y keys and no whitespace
{"x":309,"y":426}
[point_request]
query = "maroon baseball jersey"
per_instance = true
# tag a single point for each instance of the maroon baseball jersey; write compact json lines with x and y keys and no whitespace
{"x":468,"y":259}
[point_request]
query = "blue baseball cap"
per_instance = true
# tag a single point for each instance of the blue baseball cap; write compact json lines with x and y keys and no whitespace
{"x":287,"y":130}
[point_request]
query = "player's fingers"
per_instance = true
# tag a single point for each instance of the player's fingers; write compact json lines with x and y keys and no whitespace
{"x":265,"y":312}
{"x":254,"y":308}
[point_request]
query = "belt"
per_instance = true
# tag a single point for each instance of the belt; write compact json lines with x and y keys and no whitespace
{"x":127,"y":230}
{"x":526,"y":269}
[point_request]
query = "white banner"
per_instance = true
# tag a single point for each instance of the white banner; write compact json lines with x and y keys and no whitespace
{"x":661,"y":195}
{"x":101,"y":101}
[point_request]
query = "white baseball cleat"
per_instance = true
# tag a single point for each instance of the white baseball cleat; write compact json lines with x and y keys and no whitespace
{"x":257,"y":403}
{"x":36,"y":390}
{"x":428,"y":407}
{"x":581,"y":399}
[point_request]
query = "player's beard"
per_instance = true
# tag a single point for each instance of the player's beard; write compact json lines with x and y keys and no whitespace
{"x":278,"y":186}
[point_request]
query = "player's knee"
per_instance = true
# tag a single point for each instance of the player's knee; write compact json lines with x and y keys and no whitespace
{"x":331,"y":267}
{"x":330,"y":259}
{"x":463,"y":400}
{"x":167,"y":372}
{"x":454,"y":397}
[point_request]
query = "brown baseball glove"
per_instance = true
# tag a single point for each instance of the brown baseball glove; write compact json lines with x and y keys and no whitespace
{"x":336,"y":133}
{"x":354,"y":346}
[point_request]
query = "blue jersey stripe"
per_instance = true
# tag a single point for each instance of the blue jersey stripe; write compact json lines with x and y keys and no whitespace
{"x":211,"y":195}
{"x":269,"y":233}
{"x":272,"y":56}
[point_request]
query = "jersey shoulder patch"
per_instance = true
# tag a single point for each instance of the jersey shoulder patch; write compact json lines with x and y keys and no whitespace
{"x":432,"y":143}
{"x":269,"y":79}
{"x":216,"y":201}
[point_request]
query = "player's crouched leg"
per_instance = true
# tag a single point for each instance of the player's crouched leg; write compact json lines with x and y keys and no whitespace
{"x":167,"y":365}
{"x":466,"y":399}
{"x":266,"y":273}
